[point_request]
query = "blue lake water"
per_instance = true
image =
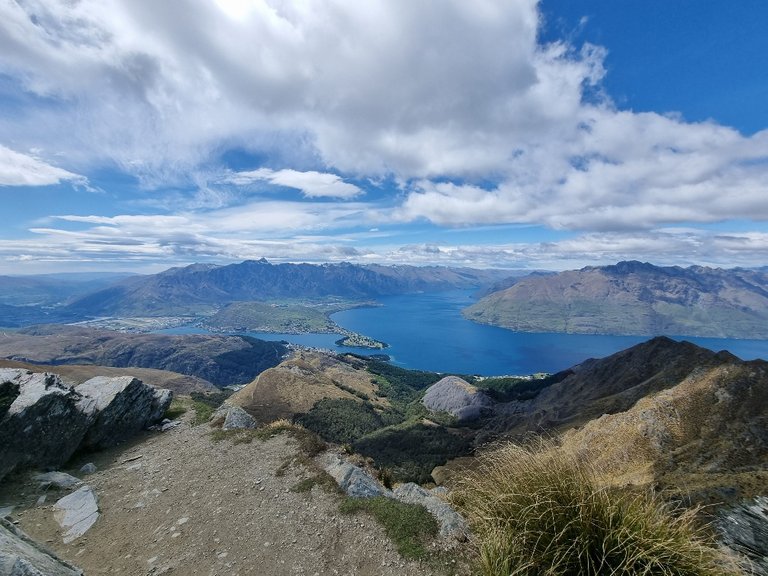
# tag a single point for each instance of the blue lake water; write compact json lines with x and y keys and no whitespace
{"x":427,"y":332}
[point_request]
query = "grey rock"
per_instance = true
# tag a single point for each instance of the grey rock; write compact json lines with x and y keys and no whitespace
{"x":353,"y":480}
{"x":43,"y":426}
{"x":744,"y":529}
{"x":160,"y":402}
{"x":89,"y":468}
{"x":236,"y":418}
{"x":59,"y":480}
{"x":452,"y":524}
{"x":21,"y":556}
{"x":120,"y":407}
{"x":6,"y":511}
{"x":76,"y":513}
{"x":457,"y":397}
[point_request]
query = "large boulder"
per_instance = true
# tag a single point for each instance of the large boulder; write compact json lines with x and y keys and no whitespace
{"x":43,"y":421}
{"x":120,"y":407}
{"x":457,"y":397}
{"x":43,"y":425}
{"x":22,"y":556}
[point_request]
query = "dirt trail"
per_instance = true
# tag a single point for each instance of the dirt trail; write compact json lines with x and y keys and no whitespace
{"x":179,"y":503}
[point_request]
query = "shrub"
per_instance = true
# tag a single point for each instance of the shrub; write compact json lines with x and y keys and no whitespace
{"x":412,"y":451}
{"x":537,"y":510}
{"x":341,"y":420}
{"x":409,"y":526}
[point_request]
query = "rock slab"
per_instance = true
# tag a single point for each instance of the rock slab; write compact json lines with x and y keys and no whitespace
{"x":76,"y":513}
{"x":21,"y":556}
{"x":744,"y":529}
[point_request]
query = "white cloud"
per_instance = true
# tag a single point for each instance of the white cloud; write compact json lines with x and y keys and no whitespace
{"x":312,"y":184}
{"x":455,"y":101}
{"x":18,"y":169}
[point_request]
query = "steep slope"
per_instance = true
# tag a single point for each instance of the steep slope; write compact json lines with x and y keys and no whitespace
{"x":608,"y":385}
{"x":222,"y":360}
{"x":201,"y":288}
{"x":634,"y":298}
{"x":708,"y":435}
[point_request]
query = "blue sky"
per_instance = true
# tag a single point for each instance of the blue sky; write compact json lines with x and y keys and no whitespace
{"x":137,"y":135}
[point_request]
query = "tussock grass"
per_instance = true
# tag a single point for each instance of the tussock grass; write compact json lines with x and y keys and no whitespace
{"x":537,"y":510}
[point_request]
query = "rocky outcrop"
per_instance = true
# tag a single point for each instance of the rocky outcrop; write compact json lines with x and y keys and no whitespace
{"x":119,"y":408}
{"x":744,"y":529}
{"x":43,"y":426}
{"x":21,"y":556}
{"x":233,"y":418}
{"x":452,"y":524}
{"x":47,"y":421}
{"x":457,"y":397}
{"x":355,"y":481}
{"x":358,"y":483}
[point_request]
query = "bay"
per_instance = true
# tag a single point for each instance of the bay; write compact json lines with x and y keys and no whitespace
{"x":427,"y":332}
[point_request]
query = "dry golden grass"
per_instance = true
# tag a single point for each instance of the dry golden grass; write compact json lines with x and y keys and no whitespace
{"x":537,"y":510}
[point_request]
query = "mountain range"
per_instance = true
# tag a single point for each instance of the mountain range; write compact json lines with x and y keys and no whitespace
{"x":633,"y":298}
{"x":202,"y":288}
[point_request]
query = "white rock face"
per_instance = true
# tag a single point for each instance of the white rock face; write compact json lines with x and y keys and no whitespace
{"x":457,"y":397}
{"x":76,"y":513}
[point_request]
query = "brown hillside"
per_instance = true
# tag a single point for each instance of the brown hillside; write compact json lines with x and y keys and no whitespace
{"x":608,"y":385}
{"x":298,"y":383}
{"x":710,"y":430}
{"x":178,"y":383}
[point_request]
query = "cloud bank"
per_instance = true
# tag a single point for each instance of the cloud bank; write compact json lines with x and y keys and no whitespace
{"x":459,"y":103}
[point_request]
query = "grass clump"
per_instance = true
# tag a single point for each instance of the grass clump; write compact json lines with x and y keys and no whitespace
{"x":539,"y":511}
{"x":409,"y":526}
{"x":321,"y":479}
{"x":177,"y":409}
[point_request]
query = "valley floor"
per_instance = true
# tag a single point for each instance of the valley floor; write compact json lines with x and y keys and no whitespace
{"x":179,"y":503}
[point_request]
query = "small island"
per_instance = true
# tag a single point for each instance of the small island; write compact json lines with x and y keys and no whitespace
{"x":355,"y":340}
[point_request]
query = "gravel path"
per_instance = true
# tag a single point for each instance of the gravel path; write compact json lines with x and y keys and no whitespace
{"x":179,"y":503}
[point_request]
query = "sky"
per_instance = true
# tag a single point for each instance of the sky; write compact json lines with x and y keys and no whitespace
{"x":137,"y":135}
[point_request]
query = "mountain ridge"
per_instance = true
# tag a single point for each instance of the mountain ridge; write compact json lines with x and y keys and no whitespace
{"x":201,"y":288}
{"x":633,"y":298}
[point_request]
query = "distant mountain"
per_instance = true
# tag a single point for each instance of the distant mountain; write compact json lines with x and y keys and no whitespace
{"x":222,"y":360}
{"x":633,"y":298}
{"x":52,"y":289}
{"x":200,"y":289}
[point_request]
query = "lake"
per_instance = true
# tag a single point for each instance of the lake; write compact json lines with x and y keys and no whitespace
{"x":427,"y":332}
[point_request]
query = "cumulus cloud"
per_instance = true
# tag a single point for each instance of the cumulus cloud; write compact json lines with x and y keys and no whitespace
{"x":312,"y":184}
{"x":18,"y":169}
{"x":457,"y":102}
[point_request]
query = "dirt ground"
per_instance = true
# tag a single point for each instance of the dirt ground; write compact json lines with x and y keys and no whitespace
{"x":180,"y":503}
